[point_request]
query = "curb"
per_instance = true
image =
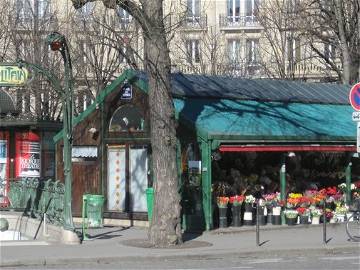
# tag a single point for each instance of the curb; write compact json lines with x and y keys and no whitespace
{"x":205,"y":255}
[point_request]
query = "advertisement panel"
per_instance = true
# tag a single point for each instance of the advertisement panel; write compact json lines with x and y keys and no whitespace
{"x":28,"y":157}
{"x":4,"y":167}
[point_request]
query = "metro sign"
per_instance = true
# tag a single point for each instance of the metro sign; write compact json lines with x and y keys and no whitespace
{"x":12,"y":75}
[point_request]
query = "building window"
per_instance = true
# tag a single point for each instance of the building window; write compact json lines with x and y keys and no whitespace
{"x":87,"y":10}
{"x":294,"y":50}
{"x":234,"y":51}
{"x":252,"y":51}
{"x":24,"y":10}
{"x":43,"y":8}
{"x":193,"y":10}
{"x":251,"y":7}
{"x":193,"y":50}
{"x":233,"y":10}
{"x":329,"y":52}
{"x":127,"y":118}
{"x":124,"y":17}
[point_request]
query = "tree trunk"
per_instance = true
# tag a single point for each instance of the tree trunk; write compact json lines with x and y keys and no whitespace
{"x":165,"y":229}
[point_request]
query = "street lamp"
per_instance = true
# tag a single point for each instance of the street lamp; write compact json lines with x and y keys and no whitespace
{"x":57,"y":42}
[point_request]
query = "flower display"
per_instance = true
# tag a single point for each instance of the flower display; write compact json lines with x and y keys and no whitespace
{"x":303,"y":211}
{"x":249,"y":199}
{"x":316,"y":212}
{"x":222,"y":201}
{"x":289,"y":213}
{"x":293,"y":200}
{"x":236,"y":200}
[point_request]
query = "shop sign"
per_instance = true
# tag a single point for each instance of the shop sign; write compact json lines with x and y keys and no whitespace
{"x":12,"y":75}
{"x":126,"y":92}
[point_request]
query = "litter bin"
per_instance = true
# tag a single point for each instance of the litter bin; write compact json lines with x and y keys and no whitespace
{"x":93,"y":210}
{"x":150,"y":202}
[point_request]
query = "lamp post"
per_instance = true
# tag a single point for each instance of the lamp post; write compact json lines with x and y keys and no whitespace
{"x":57,"y":42}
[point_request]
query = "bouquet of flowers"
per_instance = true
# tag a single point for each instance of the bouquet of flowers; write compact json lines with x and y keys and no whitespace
{"x":222,"y":201}
{"x":316,"y":212}
{"x":249,"y":199}
{"x":272,"y":199}
{"x":289,"y":213}
{"x":236,"y":200}
{"x":303,"y":211}
{"x":293,"y":200}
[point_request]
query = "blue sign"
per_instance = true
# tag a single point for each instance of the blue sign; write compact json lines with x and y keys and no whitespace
{"x":126,"y":92}
{"x":354,"y":97}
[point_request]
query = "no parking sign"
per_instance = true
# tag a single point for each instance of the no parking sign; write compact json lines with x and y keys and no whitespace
{"x":354,"y":98}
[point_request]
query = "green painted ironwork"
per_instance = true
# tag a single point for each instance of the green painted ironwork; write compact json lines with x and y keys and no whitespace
{"x":35,"y":197}
{"x":348,"y":182}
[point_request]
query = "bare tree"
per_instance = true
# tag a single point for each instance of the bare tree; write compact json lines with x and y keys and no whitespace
{"x":331,"y":28}
{"x":165,"y":228}
{"x":282,"y":46}
{"x":26,"y":24}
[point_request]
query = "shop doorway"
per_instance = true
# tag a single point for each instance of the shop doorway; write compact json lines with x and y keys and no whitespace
{"x":127,"y":179}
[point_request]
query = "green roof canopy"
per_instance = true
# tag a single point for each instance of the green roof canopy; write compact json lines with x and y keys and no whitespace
{"x":253,"y":120}
{"x":222,"y":117}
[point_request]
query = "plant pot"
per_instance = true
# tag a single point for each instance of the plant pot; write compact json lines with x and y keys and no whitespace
{"x":262,"y":220}
{"x":248,"y":218}
{"x":276,"y":211}
{"x":340,"y":218}
{"x":276,"y":220}
{"x":333,"y":220}
{"x":269,"y":218}
{"x":236,"y":215}
{"x":304,"y":219}
{"x":291,"y":221}
{"x":222,"y":217}
{"x":315,"y":220}
{"x":249,"y":207}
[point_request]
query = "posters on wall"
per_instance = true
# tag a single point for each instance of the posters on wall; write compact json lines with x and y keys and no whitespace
{"x":27,"y":162}
{"x":3,"y":170}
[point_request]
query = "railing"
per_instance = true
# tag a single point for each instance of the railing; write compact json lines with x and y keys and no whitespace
{"x":35,"y":198}
{"x":237,"y":21}
{"x":194,"y":22}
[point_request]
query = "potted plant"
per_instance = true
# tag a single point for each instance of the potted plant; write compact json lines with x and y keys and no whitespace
{"x":248,"y":214}
{"x":304,"y":214}
{"x":291,"y":216}
{"x":315,"y":215}
{"x":340,"y":213}
{"x":236,"y":202}
{"x":222,"y":203}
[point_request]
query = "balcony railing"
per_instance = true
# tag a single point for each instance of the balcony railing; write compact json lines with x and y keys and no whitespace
{"x":194,"y":22}
{"x":238,"y":21}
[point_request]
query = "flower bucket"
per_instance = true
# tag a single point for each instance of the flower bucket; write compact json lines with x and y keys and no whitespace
{"x":315,"y":220}
{"x":304,"y":219}
{"x":249,"y":207}
{"x":236,"y":215}
{"x":276,"y":220}
{"x":222,"y":217}
{"x":276,"y":211}
{"x":291,"y":221}
{"x":262,"y":220}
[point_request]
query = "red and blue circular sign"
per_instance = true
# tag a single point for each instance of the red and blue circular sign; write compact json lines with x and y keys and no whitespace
{"x":354,"y":97}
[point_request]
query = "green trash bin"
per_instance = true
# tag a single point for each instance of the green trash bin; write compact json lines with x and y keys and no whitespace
{"x":150,"y":202}
{"x":93,"y":210}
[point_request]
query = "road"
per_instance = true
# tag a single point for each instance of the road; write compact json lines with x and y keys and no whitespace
{"x":290,"y":260}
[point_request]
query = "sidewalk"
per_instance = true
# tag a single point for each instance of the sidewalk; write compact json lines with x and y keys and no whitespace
{"x":111,"y":243}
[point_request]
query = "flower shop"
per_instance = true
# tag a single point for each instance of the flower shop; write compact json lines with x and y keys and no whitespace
{"x":282,"y":144}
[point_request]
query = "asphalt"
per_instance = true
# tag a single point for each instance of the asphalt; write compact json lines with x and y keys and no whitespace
{"x":129,"y":243}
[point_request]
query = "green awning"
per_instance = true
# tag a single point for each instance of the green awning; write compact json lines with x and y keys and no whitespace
{"x":254,"y":120}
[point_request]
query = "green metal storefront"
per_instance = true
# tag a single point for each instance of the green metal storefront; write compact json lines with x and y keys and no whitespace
{"x":218,"y":120}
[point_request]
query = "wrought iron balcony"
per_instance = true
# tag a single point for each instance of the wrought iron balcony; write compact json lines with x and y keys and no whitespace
{"x":194,"y":22}
{"x":237,"y":21}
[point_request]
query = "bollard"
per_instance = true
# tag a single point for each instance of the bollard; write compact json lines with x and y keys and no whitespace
{"x":257,"y":225}
{"x":324,"y":223}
